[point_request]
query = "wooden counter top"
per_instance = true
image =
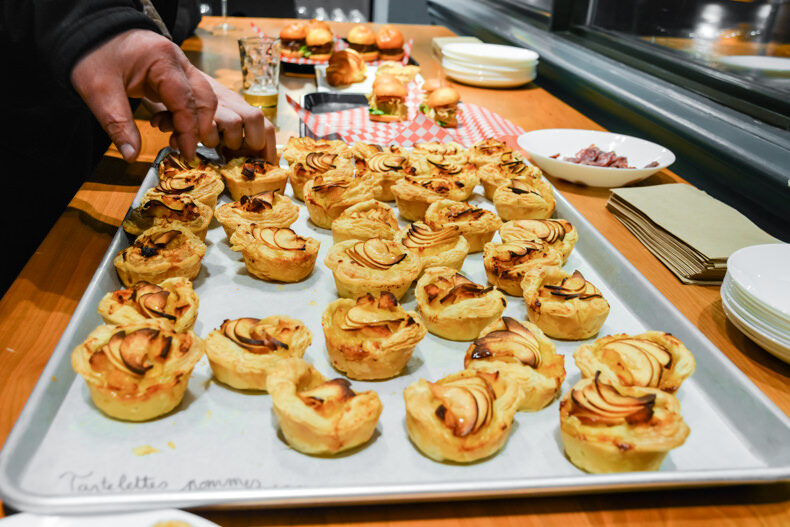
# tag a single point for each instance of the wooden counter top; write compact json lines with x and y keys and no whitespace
{"x":38,"y":306}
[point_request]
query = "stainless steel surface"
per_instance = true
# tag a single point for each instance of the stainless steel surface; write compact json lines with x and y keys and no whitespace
{"x":221,"y":448}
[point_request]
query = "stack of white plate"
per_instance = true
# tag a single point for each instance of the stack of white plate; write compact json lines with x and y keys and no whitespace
{"x":756,"y":295}
{"x":489,"y":65}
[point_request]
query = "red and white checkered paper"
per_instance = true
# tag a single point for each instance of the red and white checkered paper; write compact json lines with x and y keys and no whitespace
{"x":475,"y":123}
{"x":342,"y":44}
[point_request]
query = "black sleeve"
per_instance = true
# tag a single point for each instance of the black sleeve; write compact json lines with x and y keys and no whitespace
{"x":54,"y":34}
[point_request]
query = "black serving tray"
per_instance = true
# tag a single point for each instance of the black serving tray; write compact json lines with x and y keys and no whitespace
{"x":325,"y":102}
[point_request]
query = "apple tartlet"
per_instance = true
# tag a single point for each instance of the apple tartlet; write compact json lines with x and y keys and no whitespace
{"x":504,"y":169}
{"x":565,"y":306}
{"x":318,"y":164}
{"x":477,"y":225}
{"x":244,"y":351}
{"x":653,"y":359}
{"x":363,"y":151}
{"x":413,"y":194}
{"x":275,"y":253}
{"x":560,"y":234}
{"x":488,"y":151}
{"x":387,"y":169}
{"x":158,"y":209}
{"x":160,"y":253}
{"x":507,"y":263}
{"x":173,"y":301}
{"x":365,"y":220}
{"x":610,"y":428}
{"x":372,"y":266}
{"x":521,"y":352}
{"x":203,"y":186}
{"x":462,"y":175}
{"x":138,"y":371}
{"x":174,"y":163}
{"x":449,"y":151}
{"x":297,"y":148}
{"x":455,"y":308}
{"x":319,"y":416}
{"x":372,"y":337}
{"x":464,"y":417}
{"x":247,"y":176}
{"x":327,"y":197}
{"x":441,"y":247}
{"x":267,"y":209}
{"x":524,"y":198}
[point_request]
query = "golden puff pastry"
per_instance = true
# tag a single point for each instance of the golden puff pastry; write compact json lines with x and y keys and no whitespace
{"x":565,"y":306}
{"x":521,"y":352}
{"x":172,"y":300}
{"x":267,"y":209}
{"x":372,"y":266}
{"x":441,"y":247}
{"x":318,"y":164}
{"x":365,"y":220}
{"x":372,"y":337}
{"x":386,"y":168}
{"x":160,"y":253}
{"x":606,"y":427}
{"x":297,"y":148}
{"x":488,"y":151}
{"x":413,"y":194}
{"x":449,"y":151}
{"x":203,"y":186}
{"x":477,"y":225}
{"x":327,"y":197}
{"x":524,"y":198}
{"x":464,"y":417}
{"x":506,"y":263}
{"x":560,"y":234}
{"x":653,"y":359}
{"x":275,"y":253}
{"x":319,"y":416}
{"x":362,"y":151}
{"x":455,"y":308}
{"x":247,"y":176}
{"x":138,"y":371}
{"x":462,"y":175}
{"x":242,"y":352}
{"x":157,"y":209}
{"x":174,"y":163}
{"x":502,"y":170}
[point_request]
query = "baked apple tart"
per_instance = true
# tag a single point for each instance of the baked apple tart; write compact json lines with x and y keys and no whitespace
{"x":559,"y":234}
{"x":138,"y":371}
{"x":297,"y":148}
{"x":203,"y":186}
{"x":363,"y":151}
{"x":160,"y":253}
{"x":455,"y":308}
{"x":372,"y":266}
{"x":327,"y":197}
{"x":372,"y":337}
{"x":653,"y":359}
{"x":242,"y":352}
{"x":172,"y":300}
{"x":320,"y":416}
{"x":413,"y":194}
{"x":521,"y":352}
{"x":386,"y":168}
{"x":463,"y":417}
{"x":247,"y":176}
{"x":157,"y":209}
{"x":441,"y":247}
{"x":365,"y":220}
{"x":606,"y":427}
{"x":174,"y":163}
{"x":449,"y":151}
{"x":267,"y":209}
{"x":318,"y":164}
{"x":524,"y":198}
{"x":506,"y":263}
{"x":488,"y":151}
{"x":503,"y":169}
{"x":463,"y":175}
{"x":565,"y":306}
{"x":275,"y":253}
{"x":477,"y":225}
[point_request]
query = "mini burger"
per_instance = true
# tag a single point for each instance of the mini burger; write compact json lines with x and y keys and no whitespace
{"x":292,"y":37}
{"x":362,"y":39}
{"x":388,"y":100}
{"x":442,"y":106}
{"x":430,"y":86}
{"x":315,"y":23}
{"x":318,"y":44}
{"x":390,"y":43}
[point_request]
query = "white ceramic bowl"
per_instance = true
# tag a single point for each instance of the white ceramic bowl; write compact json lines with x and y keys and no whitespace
{"x":488,"y":81}
{"x":541,"y":144}
{"x":492,"y":54}
{"x":770,"y":346}
{"x":762,"y":272}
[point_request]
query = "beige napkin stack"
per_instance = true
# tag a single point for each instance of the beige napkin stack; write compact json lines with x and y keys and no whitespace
{"x":690,"y":232}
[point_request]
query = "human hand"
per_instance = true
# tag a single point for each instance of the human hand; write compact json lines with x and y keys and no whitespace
{"x":140,"y":63}
{"x":241,"y":127}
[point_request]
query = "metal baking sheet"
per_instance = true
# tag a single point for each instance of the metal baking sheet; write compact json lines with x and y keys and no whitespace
{"x":221,"y":447}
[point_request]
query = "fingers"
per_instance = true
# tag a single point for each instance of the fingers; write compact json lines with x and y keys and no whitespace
{"x":231,"y":125}
{"x":270,"y":139}
{"x":106,"y":97}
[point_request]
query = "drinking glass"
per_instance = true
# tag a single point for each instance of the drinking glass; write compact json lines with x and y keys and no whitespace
{"x":224,"y":26}
{"x":260,"y":69}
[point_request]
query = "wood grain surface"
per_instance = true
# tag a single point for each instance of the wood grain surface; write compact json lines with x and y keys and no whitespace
{"x":36,"y":309}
